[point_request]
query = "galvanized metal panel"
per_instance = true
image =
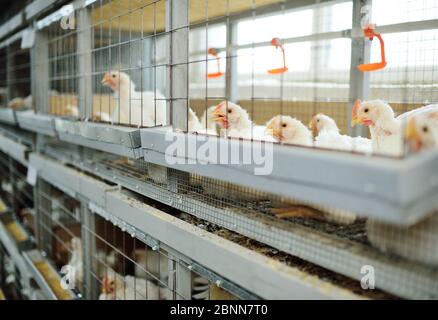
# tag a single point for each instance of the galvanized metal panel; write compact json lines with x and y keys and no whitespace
{"x":308,"y":244}
{"x":7,"y":116}
{"x":39,"y":6}
{"x":378,"y":187}
{"x":12,"y":24}
{"x":70,"y":179}
{"x":39,"y":123}
{"x":271,"y":280}
{"x":123,"y":136}
{"x":55,"y":173}
{"x":103,"y":146}
{"x":14,"y":149}
{"x":250,"y":270}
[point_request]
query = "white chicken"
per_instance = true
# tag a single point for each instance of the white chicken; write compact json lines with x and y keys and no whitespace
{"x":76,"y":261}
{"x":118,"y":287}
{"x":286,"y":129}
{"x":20,"y":103}
{"x":150,"y":265}
{"x":386,"y":130}
{"x":235,"y":122}
{"x":207,"y":119}
{"x":145,"y":108}
{"x":422,"y":132}
{"x":196,"y":126}
{"x":327,"y":135}
{"x":105,"y":261}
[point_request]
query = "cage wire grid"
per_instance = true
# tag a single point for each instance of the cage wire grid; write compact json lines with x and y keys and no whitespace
{"x":306,"y":232}
{"x":128,"y":47}
{"x":320,"y":83}
{"x":126,"y":268}
{"x":58,"y":223}
{"x":15,"y":86}
{"x":121,"y":267}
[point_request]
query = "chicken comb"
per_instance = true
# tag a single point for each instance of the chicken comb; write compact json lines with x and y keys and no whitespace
{"x":220,"y":105}
{"x":356,"y":107}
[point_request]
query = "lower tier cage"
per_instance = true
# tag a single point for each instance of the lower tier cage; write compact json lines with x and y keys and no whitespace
{"x":402,"y":259}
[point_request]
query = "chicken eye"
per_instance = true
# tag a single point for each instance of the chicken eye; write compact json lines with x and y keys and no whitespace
{"x":284,"y":125}
{"x":113,"y":75}
{"x":425,"y":129}
{"x":230,"y":111}
{"x":366,"y":110}
{"x":317,"y":120}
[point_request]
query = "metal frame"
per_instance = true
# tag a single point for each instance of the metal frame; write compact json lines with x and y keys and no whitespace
{"x":392,"y":190}
{"x":38,"y":123}
{"x":360,"y":53}
{"x":11,"y":25}
{"x":419,"y":282}
{"x":8,"y":116}
{"x":15,"y":150}
{"x":211,"y":251}
{"x":398,"y":191}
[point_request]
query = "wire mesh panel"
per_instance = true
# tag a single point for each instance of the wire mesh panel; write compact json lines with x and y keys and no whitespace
{"x":128,"y":55}
{"x":19,"y":81}
{"x":15,"y":76}
{"x":56,"y":64}
{"x":22,"y":196}
{"x":336,"y":239}
{"x":125,"y":268}
{"x":59,"y":231}
{"x":241,"y":52}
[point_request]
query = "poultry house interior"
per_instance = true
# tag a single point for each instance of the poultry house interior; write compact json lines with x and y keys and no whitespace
{"x":219,"y":150}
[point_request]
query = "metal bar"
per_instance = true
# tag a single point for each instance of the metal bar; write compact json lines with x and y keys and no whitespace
{"x":231,"y":83}
{"x":408,"y":26}
{"x":360,"y":53}
{"x":85,"y":93}
{"x":38,"y":7}
{"x":91,"y":288}
{"x":40,"y":73}
{"x":369,"y":186}
{"x":12,"y":24}
{"x":177,"y":14}
{"x":183,"y":281}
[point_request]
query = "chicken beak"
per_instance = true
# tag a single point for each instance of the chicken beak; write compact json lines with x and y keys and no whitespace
{"x":218,"y":115}
{"x":355,"y":119}
{"x":274,"y":132}
{"x":220,"y":118}
{"x":105,"y":285}
{"x":412,"y":135}
{"x":106,"y":79}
